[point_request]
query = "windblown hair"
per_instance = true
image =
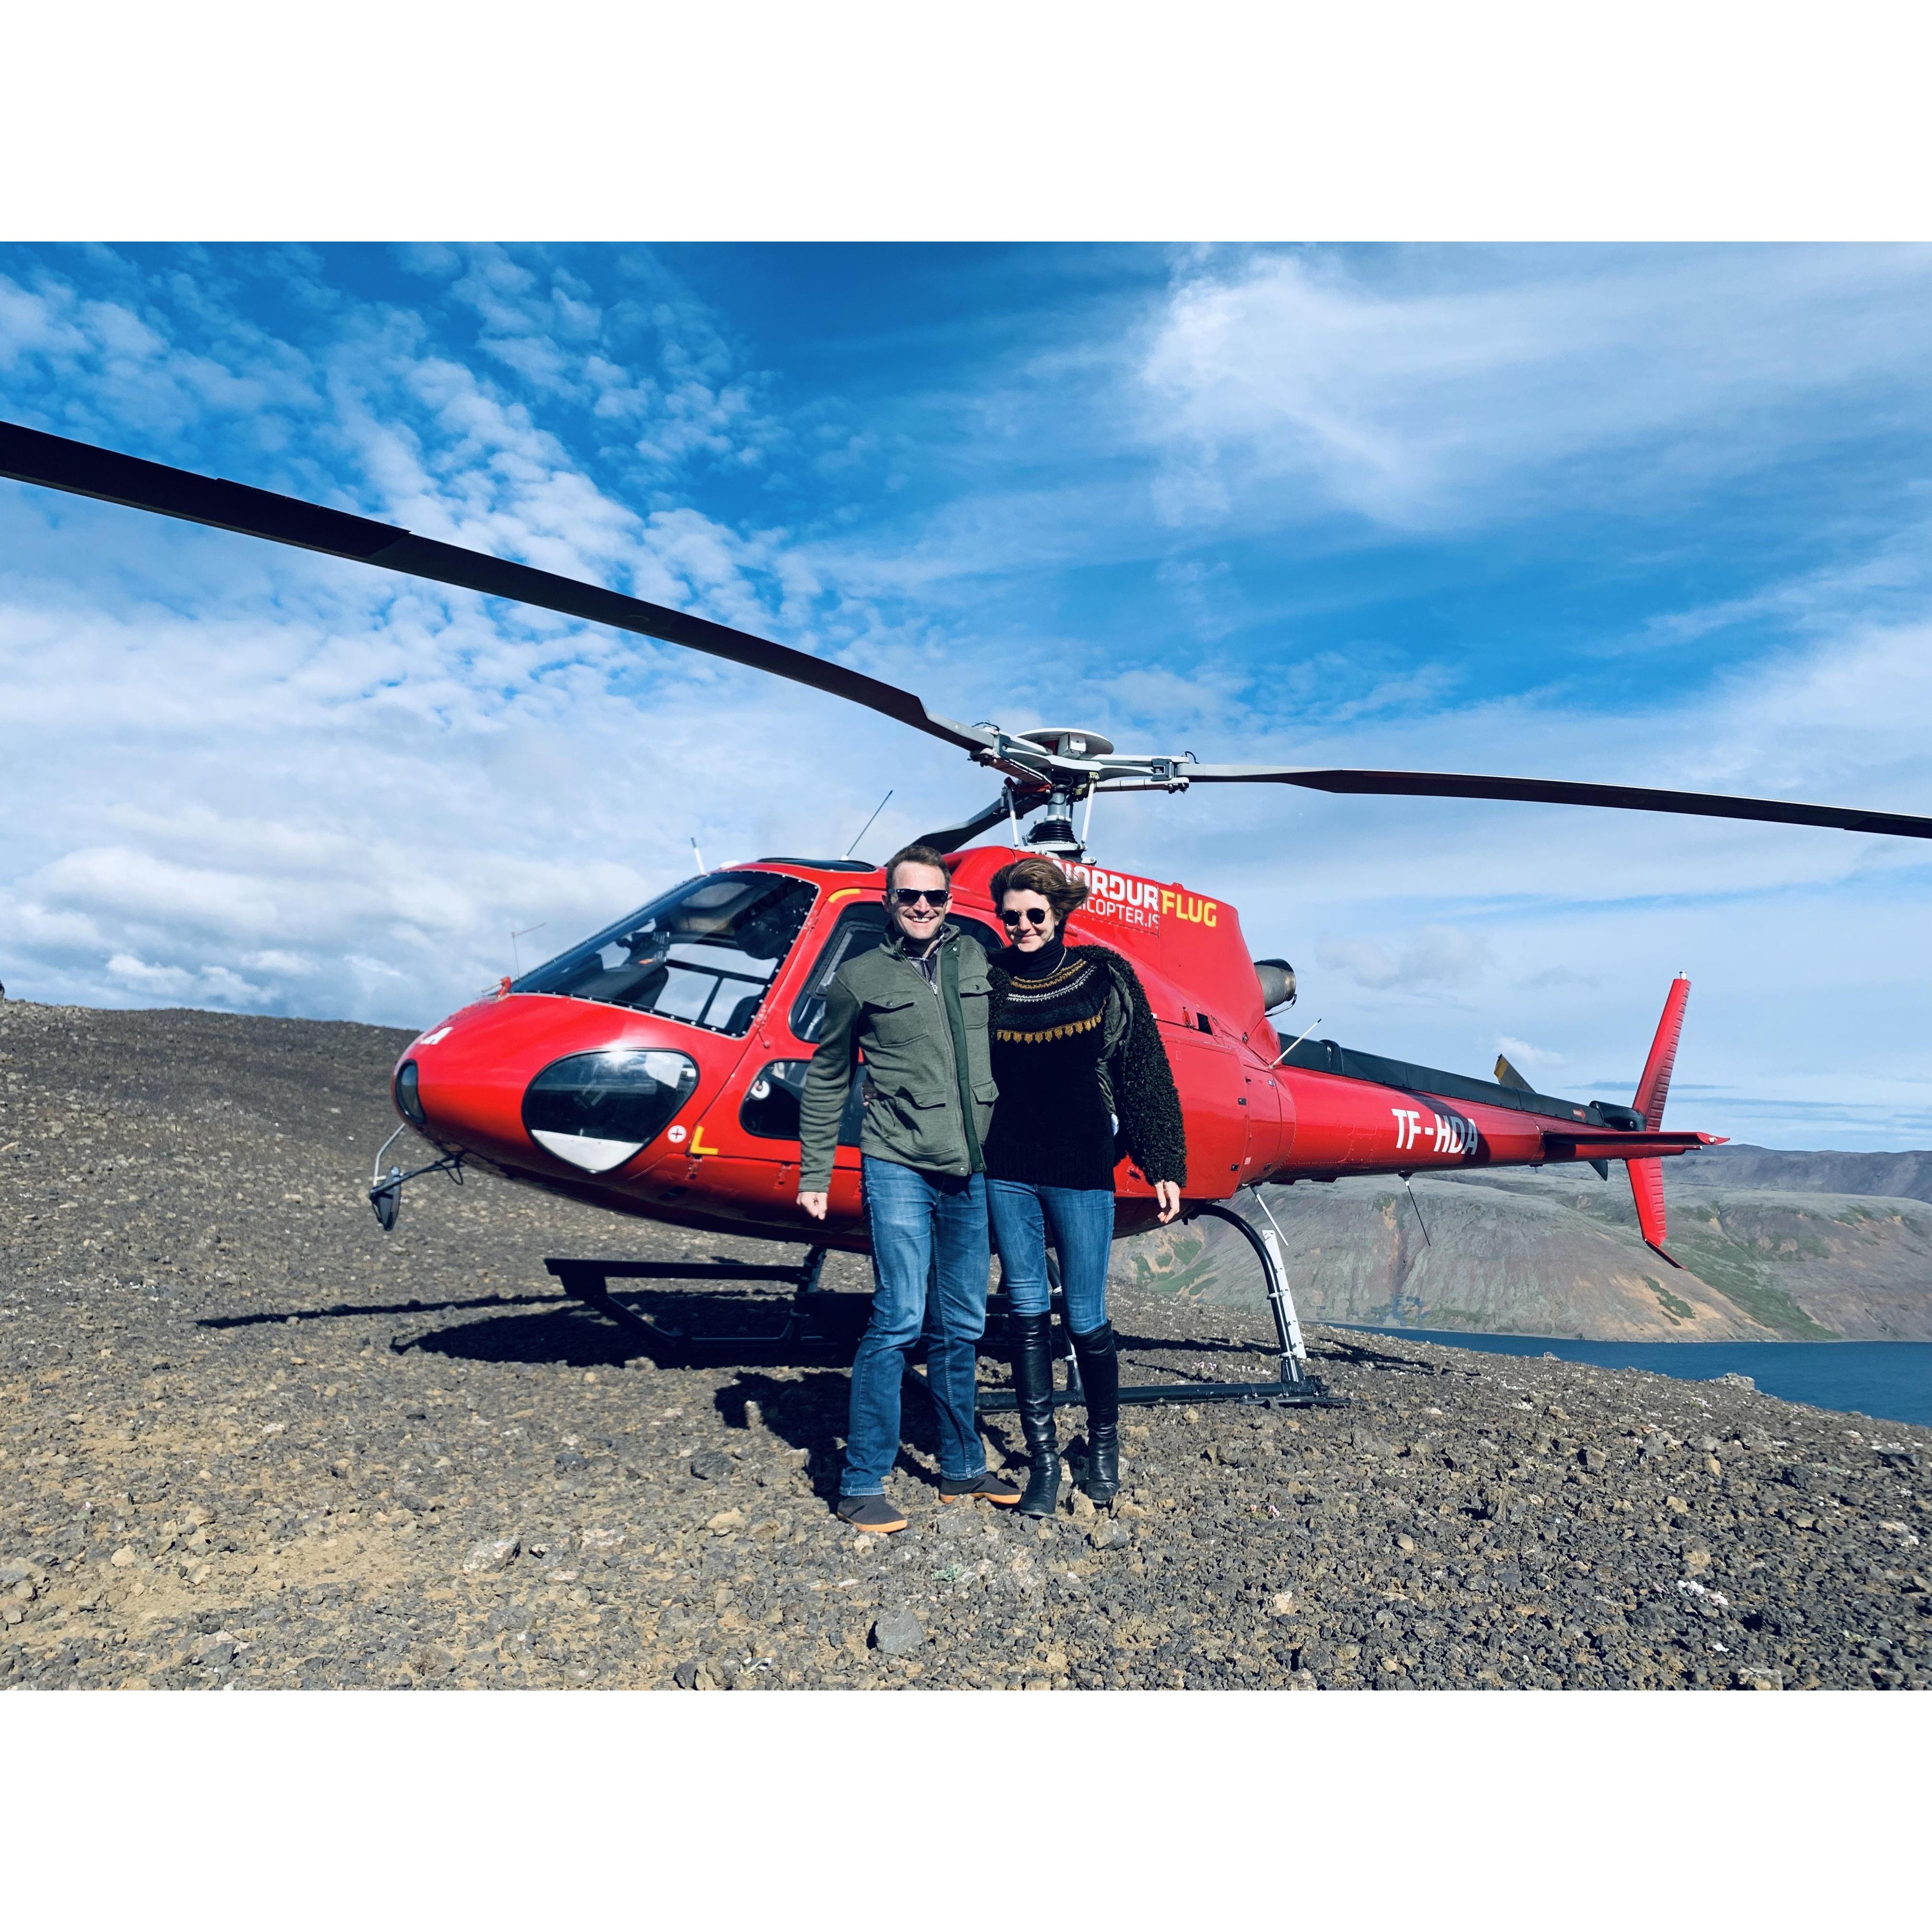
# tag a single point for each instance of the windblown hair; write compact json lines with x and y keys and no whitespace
{"x":1065,"y":896}
{"x":915,"y":855}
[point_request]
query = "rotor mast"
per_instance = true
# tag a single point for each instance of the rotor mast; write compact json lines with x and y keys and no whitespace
{"x":1056,"y":767}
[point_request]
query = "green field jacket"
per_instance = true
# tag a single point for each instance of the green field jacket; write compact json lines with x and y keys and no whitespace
{"x":928,"y":1074}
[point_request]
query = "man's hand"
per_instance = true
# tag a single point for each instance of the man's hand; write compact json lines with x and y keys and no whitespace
{"x":1168,"y":1193}
{"x":815,"y":1205}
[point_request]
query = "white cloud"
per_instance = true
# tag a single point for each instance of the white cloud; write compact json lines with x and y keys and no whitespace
{"x":149,"y":979}
{"x":281,"y":965}
{"x":1432,"y":957}
{"x":1436,"y":388}
{"x":212,"y":985}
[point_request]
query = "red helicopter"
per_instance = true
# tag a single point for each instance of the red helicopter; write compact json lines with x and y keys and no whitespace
{"x":656,"y":1068}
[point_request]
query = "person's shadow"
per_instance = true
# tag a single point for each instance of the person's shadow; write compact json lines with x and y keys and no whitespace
{"x":809,"y":1411}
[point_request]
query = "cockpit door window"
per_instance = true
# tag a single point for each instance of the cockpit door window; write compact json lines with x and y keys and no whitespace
{"x":705,"y":953}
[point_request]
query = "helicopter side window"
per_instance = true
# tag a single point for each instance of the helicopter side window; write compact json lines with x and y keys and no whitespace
{"x":990,"y":941}
{"x":771,"y":1107}
{"x":704,"y":953}
{"x":860,"y":928}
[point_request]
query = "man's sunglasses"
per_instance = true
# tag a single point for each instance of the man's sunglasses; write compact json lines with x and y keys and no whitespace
{"x":1033,"y":915}
{"x":906,"y":897}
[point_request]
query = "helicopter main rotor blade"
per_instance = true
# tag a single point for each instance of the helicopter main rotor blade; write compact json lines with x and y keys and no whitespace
{"x":1560,"y":791}
{"x":82,"y":469}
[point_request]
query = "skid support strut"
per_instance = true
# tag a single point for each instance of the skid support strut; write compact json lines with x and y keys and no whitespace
{"x":1292,"y":1385}
{"x":589,"y":1282}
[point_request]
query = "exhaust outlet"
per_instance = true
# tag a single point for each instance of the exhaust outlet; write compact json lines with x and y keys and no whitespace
{"x":1277,"y":979}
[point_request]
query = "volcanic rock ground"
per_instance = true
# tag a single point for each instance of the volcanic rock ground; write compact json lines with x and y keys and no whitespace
{"x":245,"y":1439}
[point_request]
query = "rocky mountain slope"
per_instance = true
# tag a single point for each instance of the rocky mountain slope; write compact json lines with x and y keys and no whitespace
{"x":1901,"y":1177}
{"x":1559,"y":1253}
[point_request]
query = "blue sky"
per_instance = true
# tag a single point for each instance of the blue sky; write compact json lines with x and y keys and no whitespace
{"x":1657,"y":515}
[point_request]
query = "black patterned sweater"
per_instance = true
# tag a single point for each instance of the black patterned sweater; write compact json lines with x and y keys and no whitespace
{"x":1074,"y":1043}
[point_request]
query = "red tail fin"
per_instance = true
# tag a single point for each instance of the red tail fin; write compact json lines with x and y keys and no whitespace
{"x":1652,"y":1090}
{"x":1647,"y":1184}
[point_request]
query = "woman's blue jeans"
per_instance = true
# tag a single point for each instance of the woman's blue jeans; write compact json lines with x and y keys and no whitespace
{"x":929,"y":1263}
{"x":1081,"y":1219}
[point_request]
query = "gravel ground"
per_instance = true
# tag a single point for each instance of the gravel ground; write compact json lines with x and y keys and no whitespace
{"x":248,"y":1440}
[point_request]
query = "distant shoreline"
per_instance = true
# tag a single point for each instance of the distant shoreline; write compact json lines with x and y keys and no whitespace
{"x":1873,"y":1380}
{"x":1448,"y":1335}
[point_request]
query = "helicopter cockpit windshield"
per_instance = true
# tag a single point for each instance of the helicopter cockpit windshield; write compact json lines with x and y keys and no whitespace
{"x":704,"y":953}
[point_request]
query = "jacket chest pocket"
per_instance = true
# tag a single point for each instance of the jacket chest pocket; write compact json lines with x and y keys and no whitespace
{"x":898,"y":1021}
{"x":975,"y":1001}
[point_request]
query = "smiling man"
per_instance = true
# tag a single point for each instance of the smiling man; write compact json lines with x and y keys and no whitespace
{"x":917,"y":1008}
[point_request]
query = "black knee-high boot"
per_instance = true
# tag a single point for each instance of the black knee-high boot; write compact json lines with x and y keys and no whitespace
{"x":1032,"y":1389}
{"x":1100,"y":1376}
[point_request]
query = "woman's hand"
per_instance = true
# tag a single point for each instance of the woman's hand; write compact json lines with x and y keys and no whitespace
{"x":814,"y":1205}
{"x":1168,"y":1193}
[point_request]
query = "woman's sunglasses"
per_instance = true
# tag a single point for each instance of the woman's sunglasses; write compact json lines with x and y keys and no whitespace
{"x":1033,"y":915}
{"x":906,"y":897}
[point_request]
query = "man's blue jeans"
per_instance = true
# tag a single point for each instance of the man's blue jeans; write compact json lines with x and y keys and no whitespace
{"x":1082,"y":1220}
{"x":929,"y":1262}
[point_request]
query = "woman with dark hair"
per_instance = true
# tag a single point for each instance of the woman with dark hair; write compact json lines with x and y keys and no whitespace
{"x":1076,"y":1050}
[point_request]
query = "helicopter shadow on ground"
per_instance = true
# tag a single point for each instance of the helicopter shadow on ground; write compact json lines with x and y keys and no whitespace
{"x":806,"y":1408}
{"x":730,"y":1328}
{"x":572,"y":1335}
{"x":562,"y":1330}
{"x":564,"y":1334}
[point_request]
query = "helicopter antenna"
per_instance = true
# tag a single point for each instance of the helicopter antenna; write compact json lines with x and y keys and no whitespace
{"x":1293,"y":1043}
{"x":696,"y":854}
{"x":520,"y":932}
{"x":868,"y":825}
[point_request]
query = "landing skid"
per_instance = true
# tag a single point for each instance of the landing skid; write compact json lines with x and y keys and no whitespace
{"x":1291,"y":1386}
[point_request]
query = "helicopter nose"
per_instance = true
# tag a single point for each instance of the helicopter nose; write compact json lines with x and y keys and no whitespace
{"x":596,"y":1110}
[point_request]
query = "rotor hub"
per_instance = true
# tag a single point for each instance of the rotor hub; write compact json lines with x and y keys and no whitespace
{"x":1070,"y":741}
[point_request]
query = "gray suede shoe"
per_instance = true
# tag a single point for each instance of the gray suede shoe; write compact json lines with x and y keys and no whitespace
{"x":870,"y":1512}
{"x":986,"y":1486}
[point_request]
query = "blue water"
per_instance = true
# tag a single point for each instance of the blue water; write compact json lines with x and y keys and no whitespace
{"x":1889,"y":1380}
